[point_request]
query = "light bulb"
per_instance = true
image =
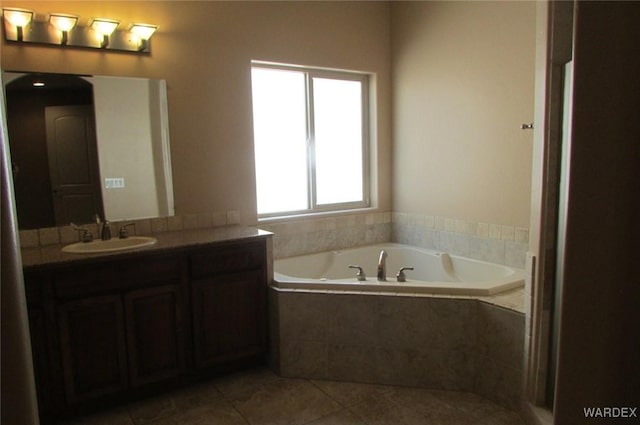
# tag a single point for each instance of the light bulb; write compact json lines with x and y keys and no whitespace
{"x":104,"y":28}
{"x":18,"y":17}
{"x":143,"y":31}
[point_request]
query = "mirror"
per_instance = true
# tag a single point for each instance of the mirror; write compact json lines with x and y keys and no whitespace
{"x":87,"y":145}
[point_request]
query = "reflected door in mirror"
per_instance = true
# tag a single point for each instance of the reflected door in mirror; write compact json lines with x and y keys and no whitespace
{"x":73,"y":163}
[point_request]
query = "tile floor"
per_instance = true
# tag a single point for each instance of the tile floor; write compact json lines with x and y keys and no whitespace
{"x":260,"y":397}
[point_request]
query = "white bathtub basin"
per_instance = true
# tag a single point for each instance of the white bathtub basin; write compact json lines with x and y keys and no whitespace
{"x":98,"y":246}
{"x":434,"y":272}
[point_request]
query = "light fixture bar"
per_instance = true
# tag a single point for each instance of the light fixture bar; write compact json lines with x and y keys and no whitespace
{"x":63,"y":30}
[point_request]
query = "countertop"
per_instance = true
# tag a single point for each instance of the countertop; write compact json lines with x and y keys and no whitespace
{"x":52,"y":255}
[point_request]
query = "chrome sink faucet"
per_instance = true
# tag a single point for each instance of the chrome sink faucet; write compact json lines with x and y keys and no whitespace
{"x":84,"y":233}
{"x":124,"y":231}
{"x":382,"y":266}
{"x":105,"y":233}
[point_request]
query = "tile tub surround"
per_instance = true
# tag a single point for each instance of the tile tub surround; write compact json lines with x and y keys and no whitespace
{"x":482,"y":241}
{"x":310,"y":235}
{"x":423,"y":342}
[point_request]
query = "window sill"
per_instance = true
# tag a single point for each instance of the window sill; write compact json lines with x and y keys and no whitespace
{"x":318,"y":215}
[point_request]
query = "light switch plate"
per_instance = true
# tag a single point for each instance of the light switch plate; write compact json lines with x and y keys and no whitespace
{"x":114,"y":183}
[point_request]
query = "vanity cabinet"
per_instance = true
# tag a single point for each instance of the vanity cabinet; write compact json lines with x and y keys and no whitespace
{"x":110,"y":342}
{"x":155,"y":334}
{"x":36,"y":286}
{"x":92,"y":347}
{"x":112,"y":330}
{"x":229,"y":304}
{"x":119,"y":324}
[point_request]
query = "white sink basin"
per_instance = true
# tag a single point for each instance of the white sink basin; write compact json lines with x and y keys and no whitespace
{"x":97,"y":246}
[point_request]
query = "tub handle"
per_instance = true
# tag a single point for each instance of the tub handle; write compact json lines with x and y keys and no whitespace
{"x":401,"y":276}
{"x":361,"y":276}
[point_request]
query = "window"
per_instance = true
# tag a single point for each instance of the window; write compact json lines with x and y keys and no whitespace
{"x":311,"y":139}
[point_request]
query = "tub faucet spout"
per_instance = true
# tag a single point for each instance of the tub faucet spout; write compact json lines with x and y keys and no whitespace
{"x":382,"y":266}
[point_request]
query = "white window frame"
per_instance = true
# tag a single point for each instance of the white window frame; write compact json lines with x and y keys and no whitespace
{"x":310,"y":73}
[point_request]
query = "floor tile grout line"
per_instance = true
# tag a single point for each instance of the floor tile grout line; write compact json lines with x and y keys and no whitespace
{"x":325,"y":393}
{"x":342,"y":409}
{"x":470,"y":405}
{"x":349,"y":408}
{"x":342,"y":406}
{"x":230,"y":402}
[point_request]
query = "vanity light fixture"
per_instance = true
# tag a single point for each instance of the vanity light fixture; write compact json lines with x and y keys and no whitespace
{"x":143,"y":32}
{"x":104,"y":28}
{"x":64,"y":23}
{"x":17,"y":19}
{"x":64,"y":30}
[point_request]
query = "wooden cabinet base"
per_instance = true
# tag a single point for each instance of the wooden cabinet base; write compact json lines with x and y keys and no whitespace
{"x":110,"y":332}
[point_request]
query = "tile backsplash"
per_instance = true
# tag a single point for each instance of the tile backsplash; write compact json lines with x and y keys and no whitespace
{"x":67,"y":234}
{"x":483,"y":241}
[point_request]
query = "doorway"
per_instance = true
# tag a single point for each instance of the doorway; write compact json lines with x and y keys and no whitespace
{"x":45,"y":191}
{"x":552,"y":137}
{"x":73,"y":163}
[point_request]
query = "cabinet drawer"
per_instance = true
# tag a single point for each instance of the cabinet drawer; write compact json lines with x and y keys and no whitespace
{"x":153,"y":269}
{"x":229,"y":258}
{"x":117,"y":275}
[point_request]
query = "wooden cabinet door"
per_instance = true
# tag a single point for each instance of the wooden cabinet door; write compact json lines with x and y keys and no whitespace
{"x":155,"y":335}
{"x":229,"y":317}
{"x":93,"y":348}
{"x":37,"y":329}
{"x":36,"y":286}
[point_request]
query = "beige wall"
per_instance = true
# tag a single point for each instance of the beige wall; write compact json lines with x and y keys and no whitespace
{"x":462,"y":79}
{"x":463,"y":83}
{"x":203,"y":49}
{"x":125,"y":147}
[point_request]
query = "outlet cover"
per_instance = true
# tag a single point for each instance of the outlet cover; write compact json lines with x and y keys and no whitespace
{"x":114,"y":183}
